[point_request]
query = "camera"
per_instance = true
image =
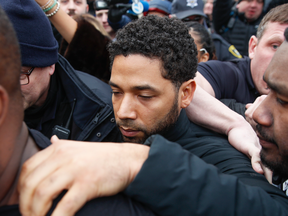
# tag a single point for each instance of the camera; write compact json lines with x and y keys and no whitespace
{"x":105,"y":4}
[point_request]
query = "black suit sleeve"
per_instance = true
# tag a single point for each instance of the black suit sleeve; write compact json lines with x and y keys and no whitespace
{"x":174,"y":181}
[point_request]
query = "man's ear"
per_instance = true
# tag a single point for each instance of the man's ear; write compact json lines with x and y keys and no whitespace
{"x":4,"y":103}
{"x":204,"y":57}
{"x":51,"y":69}
{"x":252,"y":46}
{"x":187,"y":90}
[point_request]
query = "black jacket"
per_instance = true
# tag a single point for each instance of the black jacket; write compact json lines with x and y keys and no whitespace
{"x":173,"y":181}
{"x":92,"y":118}
{"x":240,"y":31}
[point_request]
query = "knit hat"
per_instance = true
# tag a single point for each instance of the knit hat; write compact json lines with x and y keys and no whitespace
{"x":162,"y":6}
{"x":185,"y":8}
{"x":38,"y":46}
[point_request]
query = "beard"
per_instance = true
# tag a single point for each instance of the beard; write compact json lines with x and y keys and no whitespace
{"x":161,"y":126}
{"x":278,"y":164}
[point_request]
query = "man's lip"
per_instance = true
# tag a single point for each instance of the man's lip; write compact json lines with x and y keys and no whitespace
{"x":129,"y":132}
{"x":263,"y":142}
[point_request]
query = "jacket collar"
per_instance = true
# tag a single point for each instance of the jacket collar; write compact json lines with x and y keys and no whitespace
{"x":179,"y":129}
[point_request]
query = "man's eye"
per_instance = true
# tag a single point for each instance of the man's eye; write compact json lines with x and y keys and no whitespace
{"x":275,"y":46}
{"x":145,"y":96}
{"x":281,"y":101}
{"x":115,"y":93}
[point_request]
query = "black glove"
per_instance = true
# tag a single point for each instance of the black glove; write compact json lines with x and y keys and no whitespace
{"x":115,"y":13}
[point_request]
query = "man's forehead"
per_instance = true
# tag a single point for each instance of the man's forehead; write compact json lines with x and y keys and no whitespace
{"x":136,"y":71}
{"x":276,"y":74}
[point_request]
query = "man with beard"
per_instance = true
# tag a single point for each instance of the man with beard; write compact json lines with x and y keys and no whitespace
{"x":272,"y":115}
{"x":18,"y":143}
{"x":153,"y":65}
{"x":72,"y":7}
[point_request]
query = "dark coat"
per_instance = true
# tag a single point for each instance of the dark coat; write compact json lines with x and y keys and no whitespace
{"x":92,"y":118}
{"x":173,"y":181}
{"x":87,"y":51}
{"x":240,"y":32}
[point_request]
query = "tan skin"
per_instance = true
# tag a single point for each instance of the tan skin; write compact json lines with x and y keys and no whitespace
{"x":145,"y":103}
{"x":228,"y":123}
{"x":272,"y":113}
{"x":72,"y":7}
{"x":16,"y":146}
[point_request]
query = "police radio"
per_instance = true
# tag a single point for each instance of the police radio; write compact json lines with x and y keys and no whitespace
{"x":64,"y":132}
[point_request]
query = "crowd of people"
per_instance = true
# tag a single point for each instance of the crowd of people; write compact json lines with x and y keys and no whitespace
{"x":143,"y":108}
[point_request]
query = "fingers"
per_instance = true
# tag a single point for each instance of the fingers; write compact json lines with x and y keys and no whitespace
{"x":48,"y":190}
{"x":33,"y":173}
{"x":26,"y":187}
{"x":54,"y":139}
{"x":256,"y":164}
{"x":267,"y":173}
{"x":248,"y":105}
{"x":73,"y":200}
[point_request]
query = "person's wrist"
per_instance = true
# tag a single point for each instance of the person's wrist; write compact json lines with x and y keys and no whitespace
{"x":137,"y":155}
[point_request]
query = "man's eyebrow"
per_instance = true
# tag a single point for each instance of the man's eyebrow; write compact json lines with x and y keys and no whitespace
{"x":139,"y":87}
{"x":144,"y":87}
{"x":113,"y":84}
{"x":278,"y":87}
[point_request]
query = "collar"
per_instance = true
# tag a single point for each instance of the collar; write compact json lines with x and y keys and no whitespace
{"x":244,"y":65}
{"x":179,"y":129}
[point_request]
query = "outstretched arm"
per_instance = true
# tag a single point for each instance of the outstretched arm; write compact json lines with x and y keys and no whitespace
{"x":63,"y":22}
{"x":170,"y":181}
{"x":208,"y":112}
{"x":86,"y":169}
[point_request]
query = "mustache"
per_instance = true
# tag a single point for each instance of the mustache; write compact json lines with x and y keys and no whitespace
{"x":128,"y":123}
{"x":264,"y":135}
{"x":71,"y":13}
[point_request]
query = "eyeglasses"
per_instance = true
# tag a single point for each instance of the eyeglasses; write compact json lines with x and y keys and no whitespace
{"x":194,"y":18}
{"x":24,"y":76}
{"x":203,"y":50}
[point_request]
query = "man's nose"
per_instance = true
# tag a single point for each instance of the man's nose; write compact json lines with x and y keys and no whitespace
{"x":127,"y":108}
{"x":263,"y":115}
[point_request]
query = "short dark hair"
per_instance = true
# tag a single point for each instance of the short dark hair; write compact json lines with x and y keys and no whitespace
{"x":204,"y":36}
{"x":162,"y":38}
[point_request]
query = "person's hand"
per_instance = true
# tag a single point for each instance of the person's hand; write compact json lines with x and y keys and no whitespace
{"x":87,"y":170}
{"x":242,"y":6}
{"x":251,"y":107}
{"x":244,"y":139}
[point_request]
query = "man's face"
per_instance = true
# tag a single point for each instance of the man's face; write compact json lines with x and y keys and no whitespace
{"x":261,"y":53}
{"x":272,"y":115}
{"x":72,"y":7}
{"x":208,"y":7}
{"x":251,"y":8}
{"x":35,"y":93}
{"x":144,"y":102}
{"x":102,"y":17}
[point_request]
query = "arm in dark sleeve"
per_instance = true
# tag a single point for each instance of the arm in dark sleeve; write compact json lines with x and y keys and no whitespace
{"x":221,"y":13}
{"x":235,"y":106}
{"x":222,"y":77}
{"x":174,"y":181}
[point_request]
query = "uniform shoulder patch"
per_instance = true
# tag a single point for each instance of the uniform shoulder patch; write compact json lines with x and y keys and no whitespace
{"x":234,"y":51}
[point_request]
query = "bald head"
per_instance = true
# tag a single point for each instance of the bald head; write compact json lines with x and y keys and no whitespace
{"x":10,"y":60}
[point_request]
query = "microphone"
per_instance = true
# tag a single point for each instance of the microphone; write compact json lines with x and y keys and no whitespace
{"x":138,"y":7}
